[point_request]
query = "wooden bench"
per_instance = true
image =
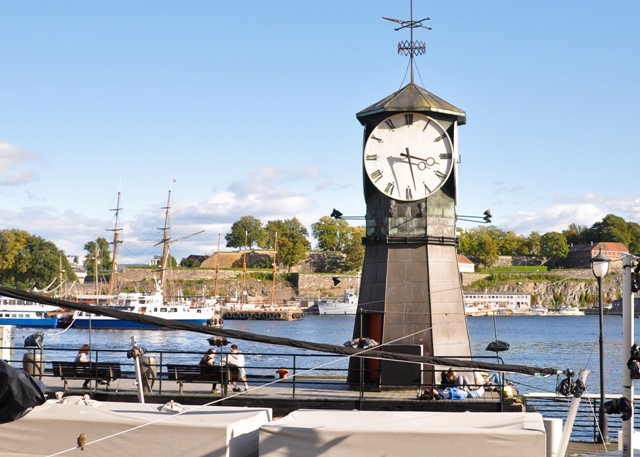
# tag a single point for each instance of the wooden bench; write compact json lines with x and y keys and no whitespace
{"x":198,"y":374}
{"x":101,"y":372}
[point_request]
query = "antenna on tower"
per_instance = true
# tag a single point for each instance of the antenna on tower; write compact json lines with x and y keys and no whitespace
{"x":410,"y":48}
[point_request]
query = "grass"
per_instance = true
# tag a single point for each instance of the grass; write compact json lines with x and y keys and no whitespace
{"x":522,"y":269}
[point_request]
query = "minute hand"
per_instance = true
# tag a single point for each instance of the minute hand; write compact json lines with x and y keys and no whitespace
{"x":410,"y":167}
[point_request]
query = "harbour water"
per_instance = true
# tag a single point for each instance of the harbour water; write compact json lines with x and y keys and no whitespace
{"x":559,"y":342}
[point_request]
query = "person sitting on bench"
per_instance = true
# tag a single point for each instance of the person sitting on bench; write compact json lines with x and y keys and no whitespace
{"x":83,"y":357}
{"x":209,"y":360}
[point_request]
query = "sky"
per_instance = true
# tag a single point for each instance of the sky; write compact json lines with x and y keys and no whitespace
{"x":250,"y":107}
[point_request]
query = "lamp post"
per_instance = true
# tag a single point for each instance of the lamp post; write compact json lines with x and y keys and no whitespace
{"x":599,"y":267}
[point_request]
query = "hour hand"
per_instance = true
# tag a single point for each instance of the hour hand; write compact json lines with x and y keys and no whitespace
{"x":410,"y":167}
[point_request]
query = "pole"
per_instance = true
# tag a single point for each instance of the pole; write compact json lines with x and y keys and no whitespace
{"x":275,"y":270}
{"x":571,"y":417}
{"x":215,"y":292}
{"x":244,"y":270}
{"x":603,"y":436}
{"x":136,"y":365}
{"x":627,"y":342}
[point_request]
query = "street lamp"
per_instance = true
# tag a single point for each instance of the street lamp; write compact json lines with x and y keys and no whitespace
{"x":599,"y":267}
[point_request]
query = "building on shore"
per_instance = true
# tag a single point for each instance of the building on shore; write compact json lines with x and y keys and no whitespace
{"x":500,"y":302}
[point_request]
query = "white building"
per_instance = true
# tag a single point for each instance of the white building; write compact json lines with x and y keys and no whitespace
{"x":465,"y":265}
{"x":514,"y":301}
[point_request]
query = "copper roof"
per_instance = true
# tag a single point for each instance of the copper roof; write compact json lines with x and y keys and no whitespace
{"x":463,"y":259}
{"x":413,"y":98}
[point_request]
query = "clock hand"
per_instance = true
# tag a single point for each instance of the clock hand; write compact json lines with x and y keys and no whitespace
{"x":428,"y":162}
{"x":410,"y":168}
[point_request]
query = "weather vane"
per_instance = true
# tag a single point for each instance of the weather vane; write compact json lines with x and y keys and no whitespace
{"x":411,"y":48}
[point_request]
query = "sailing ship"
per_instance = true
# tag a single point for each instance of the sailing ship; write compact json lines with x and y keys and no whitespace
{"x":195,"y":311}
{"x":266,"y":311}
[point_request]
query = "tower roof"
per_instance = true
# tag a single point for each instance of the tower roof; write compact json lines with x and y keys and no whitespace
{"x":412,"y":98}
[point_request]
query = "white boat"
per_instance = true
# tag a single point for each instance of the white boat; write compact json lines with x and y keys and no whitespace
{"x":539,"y":311}
{"x":27,"y":314}
{"x":203,"y":312}
{"x":347,"y":305}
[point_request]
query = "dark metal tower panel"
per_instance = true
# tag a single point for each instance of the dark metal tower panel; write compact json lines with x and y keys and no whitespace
{"x":412,"y":98}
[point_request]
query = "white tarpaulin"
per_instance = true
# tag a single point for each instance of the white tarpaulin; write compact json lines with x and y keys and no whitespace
{"x":206,"y":431}
{"x":385,"y":434}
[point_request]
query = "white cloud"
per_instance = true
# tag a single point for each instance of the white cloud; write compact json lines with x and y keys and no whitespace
{"x":13,"y":169}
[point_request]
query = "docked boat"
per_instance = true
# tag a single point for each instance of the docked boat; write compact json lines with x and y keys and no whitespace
{"x":539,"y":311}
{"x":204,"y":312}
{"x":27,"y":314}
{"x":348,"y":304}
{"x":251,"y":311}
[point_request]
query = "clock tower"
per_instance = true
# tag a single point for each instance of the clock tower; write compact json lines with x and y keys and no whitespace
{"x":410,"y":296}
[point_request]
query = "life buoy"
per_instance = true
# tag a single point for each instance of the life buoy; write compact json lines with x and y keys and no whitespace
{"x":226,"y":316}
{"x":234,"y":315}
{"x":242,"y":315}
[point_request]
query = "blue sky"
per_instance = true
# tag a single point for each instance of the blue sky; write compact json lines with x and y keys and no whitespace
{"x":250,"y":106}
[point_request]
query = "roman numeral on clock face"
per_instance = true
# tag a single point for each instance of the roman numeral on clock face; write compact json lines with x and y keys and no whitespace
{"x":427,"y":191}
{"x":408,"y":194}
{"x":376,"y":176}
{"x":379,"y":140}
{"x":371,"y":157}
{"x":389,"y":188}
{"x":408,"y":119}
{"x":439,"y":174}
{"x":441,"y":137}
{"x":446,"y":156}
{"x":389,"y":122}
{"x":426,"y":125}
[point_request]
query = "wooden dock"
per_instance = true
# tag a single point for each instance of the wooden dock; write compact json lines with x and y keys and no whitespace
{"x":283,"y":397}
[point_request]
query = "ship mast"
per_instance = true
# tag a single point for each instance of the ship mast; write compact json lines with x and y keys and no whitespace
{"x":115,"y":243}
{"x":244,"y":270}
{"x":61,"y":276}
{"x":215,"y":291}
{"x":165,"y":240}
{"x":275,"y":254}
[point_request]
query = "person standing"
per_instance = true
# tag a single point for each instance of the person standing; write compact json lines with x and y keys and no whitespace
{"x":83,"y":357}
{"x":235,"y":362}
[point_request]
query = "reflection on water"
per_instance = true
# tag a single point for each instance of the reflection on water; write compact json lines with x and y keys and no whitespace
{"x":545,"y":341}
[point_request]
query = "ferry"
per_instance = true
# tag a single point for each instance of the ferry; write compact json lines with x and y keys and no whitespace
{"x":345,"y":306}
{"x":151,"y":304}
{"x":27,"y":314}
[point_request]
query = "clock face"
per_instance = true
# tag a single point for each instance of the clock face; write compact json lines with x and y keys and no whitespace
{"x":408,"y":156}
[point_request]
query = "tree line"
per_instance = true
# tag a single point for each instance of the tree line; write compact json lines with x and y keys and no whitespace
{"x":485,"y":244}
{"x":292,"y":239}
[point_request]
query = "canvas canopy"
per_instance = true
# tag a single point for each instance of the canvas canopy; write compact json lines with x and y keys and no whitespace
{"x":206,"y":431}
{"x":312,"y":433}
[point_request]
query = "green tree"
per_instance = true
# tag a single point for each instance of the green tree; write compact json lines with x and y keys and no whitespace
{"x":353,"y":248}
{"x":615,"y":228}
{"x":292,"y":240}
{"x":487,"y":253}
{"x":554,"y":244}
{"x":634,"y":233}
{"x":28,"y":261}
{"x":103,"y":257}
{"x":330,"y":233}
{"x":188,"y":262}
{"x":252,"y":227}
{"x":576,"y":233}
{"x":533,"y":243}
